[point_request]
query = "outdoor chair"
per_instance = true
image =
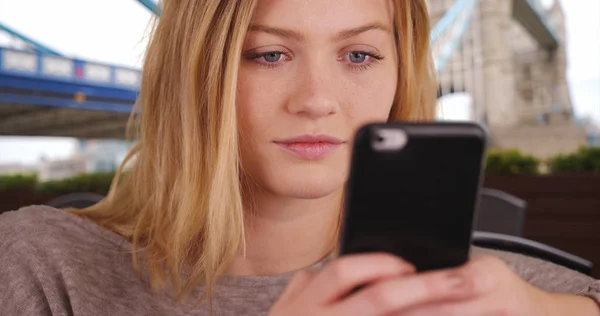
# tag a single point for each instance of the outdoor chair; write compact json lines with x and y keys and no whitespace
{"x":533,"y":249}
{"x":75,"y":200}
{"x":500,"y":212}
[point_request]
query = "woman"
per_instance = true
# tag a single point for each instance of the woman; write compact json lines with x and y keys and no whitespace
{"x":248,"y":109}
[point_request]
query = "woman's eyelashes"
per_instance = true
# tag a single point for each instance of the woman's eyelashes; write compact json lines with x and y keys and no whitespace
{"x":269,"y":59}
{"x":361,"y":60}
{"x":356,"y":59}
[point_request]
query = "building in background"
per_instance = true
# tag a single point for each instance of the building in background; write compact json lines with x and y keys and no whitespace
{"x":17,"y":169}
{"x":59,"y":169}
{"x":593,"y":134}
{"x":91,"y":156}
{"x":102,"y":155}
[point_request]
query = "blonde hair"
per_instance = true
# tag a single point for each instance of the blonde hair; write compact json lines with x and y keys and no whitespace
{"x":180,"y":203}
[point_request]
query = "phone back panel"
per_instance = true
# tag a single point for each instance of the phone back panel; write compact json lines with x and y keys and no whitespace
{"x":417,"y":202}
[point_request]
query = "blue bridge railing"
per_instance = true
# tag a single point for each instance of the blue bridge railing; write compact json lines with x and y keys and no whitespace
{"x":151,"y":5}
{"x":57,"y":68}
{"x":447,"y":34}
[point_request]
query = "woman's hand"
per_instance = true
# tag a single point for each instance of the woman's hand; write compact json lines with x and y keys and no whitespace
{"x":323,"y":292}
{"x":483,"y":286}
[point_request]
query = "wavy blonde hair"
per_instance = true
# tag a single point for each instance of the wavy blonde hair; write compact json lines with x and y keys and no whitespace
{"x":180,"y":203}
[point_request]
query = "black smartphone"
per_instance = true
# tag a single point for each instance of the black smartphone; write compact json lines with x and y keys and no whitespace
{"x":413,"y":190}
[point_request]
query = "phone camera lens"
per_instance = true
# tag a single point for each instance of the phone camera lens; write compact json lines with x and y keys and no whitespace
{"x":389,"y":140}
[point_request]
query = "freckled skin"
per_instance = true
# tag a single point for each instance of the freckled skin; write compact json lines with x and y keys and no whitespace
{"x":316,"y":85}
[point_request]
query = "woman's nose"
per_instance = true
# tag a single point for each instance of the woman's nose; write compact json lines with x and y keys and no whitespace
{"x":314,"y":95}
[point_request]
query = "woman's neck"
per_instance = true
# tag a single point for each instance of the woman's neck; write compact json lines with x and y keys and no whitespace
{"x":284,"y":235}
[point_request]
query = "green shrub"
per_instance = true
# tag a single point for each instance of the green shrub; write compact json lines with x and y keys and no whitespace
{"x":586,"y":159}
{"x":18,"y":181}
{"x":92,"y":182}
{"x":510,"y":162}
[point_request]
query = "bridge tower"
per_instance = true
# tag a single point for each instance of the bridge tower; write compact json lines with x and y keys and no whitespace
{"x":561,"y":94}
{"x":542,"y":75}
{"x":483,"y":65}
{"x":512,"y":62}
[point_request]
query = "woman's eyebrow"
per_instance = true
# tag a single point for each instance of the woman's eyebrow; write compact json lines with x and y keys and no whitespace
{"x":342,"y":35}
{"x":349,"y":33}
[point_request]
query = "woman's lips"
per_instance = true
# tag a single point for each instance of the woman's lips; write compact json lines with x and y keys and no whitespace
{"x":310,"y":146}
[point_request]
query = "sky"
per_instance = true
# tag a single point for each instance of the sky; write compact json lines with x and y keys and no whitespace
{"x":115,"y":31}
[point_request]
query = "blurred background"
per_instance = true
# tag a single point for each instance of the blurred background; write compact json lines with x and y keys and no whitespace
{"x":527,"y":69}
{"x":532,"y":75}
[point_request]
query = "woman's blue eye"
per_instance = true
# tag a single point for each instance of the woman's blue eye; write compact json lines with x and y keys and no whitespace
{"x":272,"y":57}
{"x":357,"y":57}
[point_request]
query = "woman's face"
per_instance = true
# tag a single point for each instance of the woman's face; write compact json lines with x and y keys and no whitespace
{"x":312,"y":73}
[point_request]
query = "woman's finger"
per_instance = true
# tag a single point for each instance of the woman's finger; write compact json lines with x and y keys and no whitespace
{"x":406,"y":292}
{"x":297,"y":284}
{"x":475,"y":307}
{"x":349,"y":272}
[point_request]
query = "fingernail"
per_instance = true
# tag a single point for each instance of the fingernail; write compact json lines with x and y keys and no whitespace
{"x":408,"y":268}
{"x":455,"y":282}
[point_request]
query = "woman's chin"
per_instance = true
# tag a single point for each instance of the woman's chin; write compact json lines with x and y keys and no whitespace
{"x":307,"y":185}
{"x":310,"y":192}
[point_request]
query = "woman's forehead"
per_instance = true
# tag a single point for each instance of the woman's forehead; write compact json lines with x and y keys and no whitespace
{"x":323,"y":16}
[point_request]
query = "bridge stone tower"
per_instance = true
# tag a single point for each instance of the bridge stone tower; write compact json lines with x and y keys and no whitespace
{"x":541,"y":75}
{"x":515,"y":74}
{"x":561,"y":95}
{"x":486,"y":56}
